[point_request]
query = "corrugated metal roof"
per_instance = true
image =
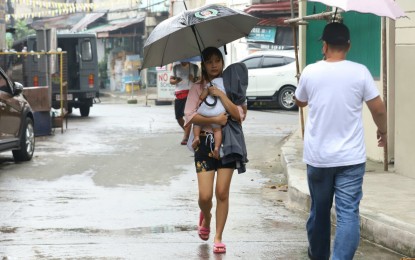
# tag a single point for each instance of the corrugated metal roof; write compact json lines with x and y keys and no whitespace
{"x":85,"y":21}
{"x":103,"y":30}
{"x":273,"y":22}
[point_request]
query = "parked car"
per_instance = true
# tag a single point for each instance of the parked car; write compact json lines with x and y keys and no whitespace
{"x":16,"y":120}
{"x":272,"y":78}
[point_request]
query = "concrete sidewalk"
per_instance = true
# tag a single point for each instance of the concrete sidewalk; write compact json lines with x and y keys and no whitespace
{"x":387,"y":209}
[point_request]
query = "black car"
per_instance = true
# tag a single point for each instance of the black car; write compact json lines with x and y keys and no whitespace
{"x":16,"y":120}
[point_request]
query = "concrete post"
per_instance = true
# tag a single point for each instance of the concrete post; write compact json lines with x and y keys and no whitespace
{"x":3,"y":44}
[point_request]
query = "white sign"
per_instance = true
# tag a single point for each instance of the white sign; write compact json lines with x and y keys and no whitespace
{"x":165,"y":91}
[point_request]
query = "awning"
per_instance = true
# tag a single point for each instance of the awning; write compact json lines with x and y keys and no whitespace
{"x":85,"y":21}
{"x":103,"y":31}
{"x":275,"y":7}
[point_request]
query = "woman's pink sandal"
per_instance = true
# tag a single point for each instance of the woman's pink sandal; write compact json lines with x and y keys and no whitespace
{"x":203,"y":232}
{"x":219,"y":248}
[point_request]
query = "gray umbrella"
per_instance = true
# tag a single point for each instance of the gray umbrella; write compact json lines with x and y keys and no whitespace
{"x":187,"y":34}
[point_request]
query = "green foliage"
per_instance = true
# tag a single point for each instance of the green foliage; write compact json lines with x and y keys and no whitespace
{"x":22,"y":30}
{"x":9,"y":40}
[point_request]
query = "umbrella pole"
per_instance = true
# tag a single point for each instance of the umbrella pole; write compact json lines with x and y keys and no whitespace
{"x":203,"y":61}
{"x":385,"y":86}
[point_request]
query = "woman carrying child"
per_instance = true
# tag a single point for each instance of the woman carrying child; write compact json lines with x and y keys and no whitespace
{"x":208,"y":165}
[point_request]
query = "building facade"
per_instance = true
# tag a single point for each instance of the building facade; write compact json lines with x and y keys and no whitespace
{"x":401,"y":88}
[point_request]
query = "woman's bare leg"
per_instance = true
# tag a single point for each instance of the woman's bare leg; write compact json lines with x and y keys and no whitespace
{"x":223,"y":183}
{"x":205,"y":181}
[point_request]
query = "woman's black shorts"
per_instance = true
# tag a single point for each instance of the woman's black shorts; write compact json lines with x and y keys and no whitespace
{"x":204,"y":160}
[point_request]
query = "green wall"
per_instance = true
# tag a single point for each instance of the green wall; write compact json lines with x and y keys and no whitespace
{"x":365,"y":34}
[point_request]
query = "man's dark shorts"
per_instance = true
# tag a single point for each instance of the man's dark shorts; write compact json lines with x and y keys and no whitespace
{"x":204,"y":160}
{"x":179,"y":105}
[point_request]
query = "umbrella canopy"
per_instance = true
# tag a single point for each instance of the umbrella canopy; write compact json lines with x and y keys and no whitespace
{"x":387,"y":8}
{"x":194,"y":59}
{"x":185,"y":35}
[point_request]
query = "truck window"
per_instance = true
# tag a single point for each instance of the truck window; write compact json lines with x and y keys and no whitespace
{"x":86,"y":50}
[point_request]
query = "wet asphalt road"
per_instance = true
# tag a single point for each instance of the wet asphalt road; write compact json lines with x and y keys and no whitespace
{"x":117,"y":185}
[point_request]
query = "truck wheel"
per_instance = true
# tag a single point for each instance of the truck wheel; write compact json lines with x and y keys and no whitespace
{"x":286,"y":98}
{"x":27,"y":143}
{"x":84,"y":110}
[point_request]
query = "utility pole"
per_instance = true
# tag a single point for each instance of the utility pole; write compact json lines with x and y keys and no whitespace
{"x":3,"y":45}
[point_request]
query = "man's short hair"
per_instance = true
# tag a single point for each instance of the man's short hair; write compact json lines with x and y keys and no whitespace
{"x":336,"y":34}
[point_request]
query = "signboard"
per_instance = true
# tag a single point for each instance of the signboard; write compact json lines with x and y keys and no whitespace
{"x":165,"y":91}
{"x":262,"y":34}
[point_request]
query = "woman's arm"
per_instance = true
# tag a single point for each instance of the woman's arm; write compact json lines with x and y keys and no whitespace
{"x":204,"y":94}
{"x":192,"y":104}
{"x":198,"y":119}
{"x":230,"y":107}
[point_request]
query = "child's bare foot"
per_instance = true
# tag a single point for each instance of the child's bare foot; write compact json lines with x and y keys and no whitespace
{"x":196,"y":142}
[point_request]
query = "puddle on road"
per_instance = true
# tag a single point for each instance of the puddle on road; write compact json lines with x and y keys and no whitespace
{"x":8,"y":229}
{"x":74,"y":202}
{"x":53,"y":216}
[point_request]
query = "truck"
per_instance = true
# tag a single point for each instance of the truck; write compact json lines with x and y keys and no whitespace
{"x":80,"y":70}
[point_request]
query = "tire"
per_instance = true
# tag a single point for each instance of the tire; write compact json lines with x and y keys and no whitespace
{"x":27,"y":143}
{"x":250,"y":104}
{"x":286,"y":98}
{"x":84,"y":109}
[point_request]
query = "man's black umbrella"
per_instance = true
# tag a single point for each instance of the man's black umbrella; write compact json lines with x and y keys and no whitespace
{"x":187,"y":34}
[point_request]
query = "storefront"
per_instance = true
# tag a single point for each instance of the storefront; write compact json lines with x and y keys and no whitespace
{"x":271,"y":33}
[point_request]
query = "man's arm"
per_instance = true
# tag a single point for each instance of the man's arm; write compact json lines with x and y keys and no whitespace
{"x":173,"y":78}
{"x":378,"y":110}
{"x":300,"y":103}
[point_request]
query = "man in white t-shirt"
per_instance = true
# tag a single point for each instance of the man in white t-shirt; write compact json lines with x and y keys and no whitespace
{"x":334,"y":150}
